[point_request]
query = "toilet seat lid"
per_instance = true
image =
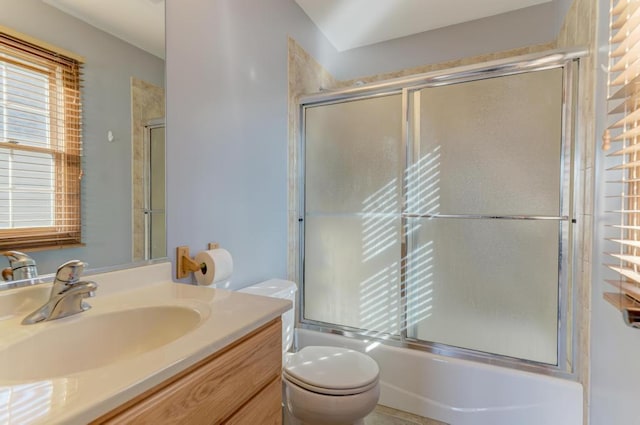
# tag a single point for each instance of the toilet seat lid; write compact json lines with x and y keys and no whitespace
{"x":331,"y":370}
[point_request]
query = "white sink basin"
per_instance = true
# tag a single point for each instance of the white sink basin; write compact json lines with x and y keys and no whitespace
{"x":142,"y":330}
{"x":22,"y":301}
{"x":83,"y":342}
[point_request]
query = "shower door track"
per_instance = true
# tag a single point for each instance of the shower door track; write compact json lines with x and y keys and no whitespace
{"x":501,"y":67}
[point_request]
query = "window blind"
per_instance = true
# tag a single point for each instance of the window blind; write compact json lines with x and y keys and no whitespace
{"x":40,"y":145}
{"x":624,"y":136}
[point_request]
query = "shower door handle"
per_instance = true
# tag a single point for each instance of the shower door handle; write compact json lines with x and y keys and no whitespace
{"x":486,"y":216}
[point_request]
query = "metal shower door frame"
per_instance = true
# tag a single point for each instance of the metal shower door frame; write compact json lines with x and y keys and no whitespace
{"x":571,"y":184}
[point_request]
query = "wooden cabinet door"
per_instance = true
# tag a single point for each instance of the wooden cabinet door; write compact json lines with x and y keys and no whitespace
{"x":264,"y":409}
{"x":211,"y":391}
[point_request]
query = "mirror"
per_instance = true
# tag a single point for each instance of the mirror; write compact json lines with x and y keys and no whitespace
{"x":123,"y":107}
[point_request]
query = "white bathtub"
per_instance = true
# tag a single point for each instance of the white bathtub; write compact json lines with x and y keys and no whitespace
{"x":461,"y":392}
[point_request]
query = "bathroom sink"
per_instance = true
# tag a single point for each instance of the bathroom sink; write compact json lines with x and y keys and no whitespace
{"x":22,"y":301}
{"x":66,"y":346}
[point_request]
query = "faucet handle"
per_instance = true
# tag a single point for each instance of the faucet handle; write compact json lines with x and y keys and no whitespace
{"x":70,"y":271}
{"x":22,"y":266}
{"x":17,"y":256}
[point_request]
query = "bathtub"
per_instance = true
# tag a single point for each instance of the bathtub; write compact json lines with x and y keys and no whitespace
{"x":461,"y":392}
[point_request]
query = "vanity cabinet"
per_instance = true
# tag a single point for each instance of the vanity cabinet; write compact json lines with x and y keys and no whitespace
{"x":238,"y":385}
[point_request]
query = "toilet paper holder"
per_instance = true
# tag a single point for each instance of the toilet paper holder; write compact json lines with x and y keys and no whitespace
{"x":185,"y":264}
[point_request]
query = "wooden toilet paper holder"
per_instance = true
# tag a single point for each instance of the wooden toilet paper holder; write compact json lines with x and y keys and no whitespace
{"x":185,"y":264}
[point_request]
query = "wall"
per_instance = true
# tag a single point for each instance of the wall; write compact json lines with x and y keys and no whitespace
{"x":227,"y":113}
{"x":562,"y":9}
{"x":109,"y":65}
{"x":579,"y":29}
{"x":306,"y":75}
{"x":227,"y":128}
{"x":523,"y":27}
{"x":615,"y":346}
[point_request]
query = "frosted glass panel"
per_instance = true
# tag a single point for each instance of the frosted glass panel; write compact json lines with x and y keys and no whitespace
{"x":488,"y":285}
{"x":354,"y":161}
{"x":344,"y":283}
{"x":158,"y":237}
{"x":354,"y":156}
{"x":498,"y":143}
{"x":156,"y":232}
{"x":157,"y":168}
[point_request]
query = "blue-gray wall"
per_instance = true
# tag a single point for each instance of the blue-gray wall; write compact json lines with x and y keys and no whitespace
{"x":532,"y":25}
{"x":109,"y":65}
{"x":227,"y":128}
{"x":227,"y":112}
{"x":614,"y":346}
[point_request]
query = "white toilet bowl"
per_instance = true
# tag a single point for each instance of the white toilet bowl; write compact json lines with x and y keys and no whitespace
{"x":321,"y":385}
{"x":329,"y":386}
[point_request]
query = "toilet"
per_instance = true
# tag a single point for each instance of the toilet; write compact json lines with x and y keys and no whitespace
{"x":321,"y":385}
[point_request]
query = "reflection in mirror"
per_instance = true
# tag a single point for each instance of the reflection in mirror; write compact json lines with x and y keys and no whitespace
{"x":116,"y":113}
{"x":147,"y":103}
{"x":155,"y":240}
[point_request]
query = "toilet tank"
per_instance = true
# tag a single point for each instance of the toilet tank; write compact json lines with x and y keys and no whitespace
{"x":278,"y":288}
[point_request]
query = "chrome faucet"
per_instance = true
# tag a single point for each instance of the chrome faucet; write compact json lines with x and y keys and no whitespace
{"x":21,"y":266}
{"x":66,"y":296}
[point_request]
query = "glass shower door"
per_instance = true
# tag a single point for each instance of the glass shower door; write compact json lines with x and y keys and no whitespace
{"x":439,"y":215}
{"x":154,"y":212}
{"x":485,"y":233}
{"x":354,"y":156}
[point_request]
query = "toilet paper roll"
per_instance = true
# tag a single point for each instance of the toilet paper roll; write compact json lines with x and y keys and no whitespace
{"x":218,"y":266}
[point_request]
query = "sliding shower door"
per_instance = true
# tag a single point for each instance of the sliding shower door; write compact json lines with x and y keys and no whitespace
{"x":486,"y":217}
{"x":354,"y":160}
{"x":440,"y":214}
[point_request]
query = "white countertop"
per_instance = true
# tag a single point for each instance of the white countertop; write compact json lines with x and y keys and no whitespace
{"x":83,"y":396}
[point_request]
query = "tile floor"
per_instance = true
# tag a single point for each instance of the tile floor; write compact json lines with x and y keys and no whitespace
{"x":388,"y":416}
{"x":383,"y":415}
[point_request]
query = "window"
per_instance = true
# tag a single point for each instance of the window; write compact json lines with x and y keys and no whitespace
{"x":40,"y":145}
{"x":624,"y":134}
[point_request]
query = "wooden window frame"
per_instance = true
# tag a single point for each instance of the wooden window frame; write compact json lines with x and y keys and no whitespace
{"x":63,"y":71}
